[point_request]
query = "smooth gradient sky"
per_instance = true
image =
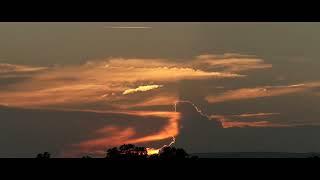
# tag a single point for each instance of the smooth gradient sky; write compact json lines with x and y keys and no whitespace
{"x":78,"y":88}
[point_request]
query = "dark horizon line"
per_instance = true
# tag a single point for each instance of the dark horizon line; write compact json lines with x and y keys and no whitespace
{"x":244,"y":152}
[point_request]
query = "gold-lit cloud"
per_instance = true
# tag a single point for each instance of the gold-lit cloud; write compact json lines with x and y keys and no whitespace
{"x":142,"y":89}
{"x":98,"y":81}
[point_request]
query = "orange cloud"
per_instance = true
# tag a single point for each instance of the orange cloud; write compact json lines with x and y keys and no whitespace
{"x":227,"y":122}
{"x":165,"y":99}
{"x":256,"y":115}
{"x":13,"y":68}
{"x":266,"y":91}
{"x":97,"y":81}
{"x":232,"y":62}
{"x":170,"y":130}
{"x":113,"y":136}
{"x":241,"y":124}
{"x":241,"y":121}
{"x":50,"y":96}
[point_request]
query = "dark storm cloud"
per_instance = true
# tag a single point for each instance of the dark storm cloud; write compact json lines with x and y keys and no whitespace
{"x":293,"y":139}
{"x":198,"y":134}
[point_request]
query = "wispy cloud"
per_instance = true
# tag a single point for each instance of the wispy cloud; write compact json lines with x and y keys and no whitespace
{"x":128,"y":27}
{"x":232,"y":121}
{"x":256,"y":124}
{"x":141,"y":89}
{"x":158,"y":100}
{"x":13,"y":68}
{"x":98,"y":81}
{"x":259,"y":120}
{"x":258,"y":92}
{"x":255,"y":115}
{"x":232,"y":62}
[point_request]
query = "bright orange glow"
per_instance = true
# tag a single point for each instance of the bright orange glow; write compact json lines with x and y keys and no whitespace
{"x":114,"y":136}
{"x":170,"y":130}
{"x":152,"y":151}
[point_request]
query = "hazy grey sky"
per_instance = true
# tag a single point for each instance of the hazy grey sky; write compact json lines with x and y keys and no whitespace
{"x":49,"y":43}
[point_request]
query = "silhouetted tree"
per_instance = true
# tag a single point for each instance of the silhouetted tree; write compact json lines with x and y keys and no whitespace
{"x":194,"y":157}
{"x":132,"y":152}
{"x":314,"y":157}
{"x":86,"y":157}
{"x":140,"y":152}
{"x":154,"y":157}
{"x":113,"y":153}
{"x":44,"y":155}
{"x":126,"y":148}
{"x":181,"y":154}
{"x":170,"y":153}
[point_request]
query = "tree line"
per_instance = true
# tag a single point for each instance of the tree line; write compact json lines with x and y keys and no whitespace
{"x":132,"y":152}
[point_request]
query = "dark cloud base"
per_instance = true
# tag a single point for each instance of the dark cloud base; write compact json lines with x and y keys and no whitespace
{"x":200,"y":135}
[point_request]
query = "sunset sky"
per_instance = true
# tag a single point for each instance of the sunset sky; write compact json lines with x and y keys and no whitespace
{"x":76,"y":89}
